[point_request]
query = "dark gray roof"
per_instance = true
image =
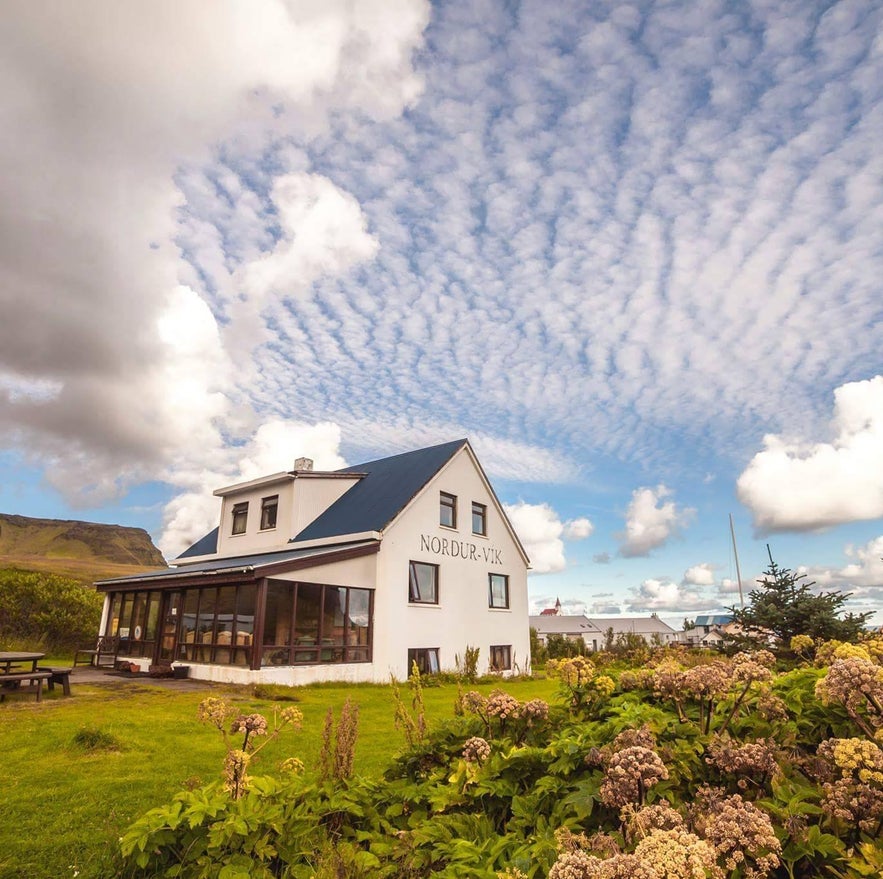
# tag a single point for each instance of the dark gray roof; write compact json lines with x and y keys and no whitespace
{"x":372,"y":503}
{"x":207,"y":545}
{"x":387,"y":487}
{"x":238,"y":563}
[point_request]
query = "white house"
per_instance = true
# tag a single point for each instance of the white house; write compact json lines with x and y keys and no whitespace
{"x":595,"y":632}
{"x":348,"y":575}
{"x":574,"y":627}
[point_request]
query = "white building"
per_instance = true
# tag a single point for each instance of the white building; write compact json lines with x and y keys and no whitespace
{"x":348,"y":575}
{"x":573,"y":627}
{"x":595,"y":632}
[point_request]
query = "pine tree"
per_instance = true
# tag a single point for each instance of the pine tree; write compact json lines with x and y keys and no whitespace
{"x":785,"y":606}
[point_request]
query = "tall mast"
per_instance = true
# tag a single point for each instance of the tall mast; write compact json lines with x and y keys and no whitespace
{"x":736,"y":555}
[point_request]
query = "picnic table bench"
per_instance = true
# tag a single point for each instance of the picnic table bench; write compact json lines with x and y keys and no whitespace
{"x":58,"y":676}
{"x":13,"y":681}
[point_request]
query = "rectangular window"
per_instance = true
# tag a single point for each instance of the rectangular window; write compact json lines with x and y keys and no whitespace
{"x":498,"y":589}
{"x":423,"y":583}
{"x":447,"y":510}
{"x":501,"y":657}
{"x":269,"y":506}
{"x":479,"y":518}
{"x":426,"y":659}
{"x":240,"y":517}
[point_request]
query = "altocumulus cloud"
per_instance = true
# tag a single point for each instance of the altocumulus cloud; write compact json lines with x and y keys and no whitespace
{"x":795,"y":484}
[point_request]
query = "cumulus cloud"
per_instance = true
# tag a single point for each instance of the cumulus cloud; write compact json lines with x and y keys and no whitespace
{"x":273,"y":448}
{"x":110,"y":369}
{"x":650,"y":521}
{"x":578,"y":529}
{"x":863,"y":570}
{"x":665,"y":595}
{"x":699,"y":575}
{"x":540,"y":530}
{"x":800,"y":485}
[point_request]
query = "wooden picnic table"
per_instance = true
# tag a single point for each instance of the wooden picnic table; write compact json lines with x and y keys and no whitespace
{"x":11,"y":661}
{"x":14,"y":671}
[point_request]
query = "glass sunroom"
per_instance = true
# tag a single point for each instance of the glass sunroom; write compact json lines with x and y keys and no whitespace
{"x":239,"y":618}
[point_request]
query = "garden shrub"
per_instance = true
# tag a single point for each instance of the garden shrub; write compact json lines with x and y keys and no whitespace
{"x":46,"y":609}
{"x":706,"y":770}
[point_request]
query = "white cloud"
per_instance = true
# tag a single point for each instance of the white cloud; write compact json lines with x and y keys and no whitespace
{"x":699,"y":575}
{"x":271,"y":449}
{"x":864,"y":569}
{"x":540,"y":530}
{"x":665,"y":595}
{"x":651,"y":521}
{"x":112,"y":370}
{"x":578,"y":529}
{"x":794,"y":485}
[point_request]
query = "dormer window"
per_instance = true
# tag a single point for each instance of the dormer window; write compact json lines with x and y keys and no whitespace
{"x":447,"y":509}
{"x":269,"y":506}
{"x":240,"y":518}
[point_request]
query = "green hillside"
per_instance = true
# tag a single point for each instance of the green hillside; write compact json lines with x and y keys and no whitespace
{"x":86,"y":551}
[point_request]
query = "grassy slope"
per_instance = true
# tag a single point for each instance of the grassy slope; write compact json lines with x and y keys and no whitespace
{"x":63,"y":809}
{"x":86,"y":551}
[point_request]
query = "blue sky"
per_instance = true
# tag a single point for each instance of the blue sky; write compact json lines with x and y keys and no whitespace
{"x":632,"y":251}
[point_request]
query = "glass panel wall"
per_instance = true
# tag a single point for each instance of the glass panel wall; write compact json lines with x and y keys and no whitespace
{"x":303,"y":623}
{"x":277,"y":623}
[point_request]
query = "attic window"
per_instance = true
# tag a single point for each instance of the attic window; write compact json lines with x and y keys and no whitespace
{"x":447,"y":509}
{"x":479,"y":518}
{"x":240,"y":518}
{"x":269,"y":506}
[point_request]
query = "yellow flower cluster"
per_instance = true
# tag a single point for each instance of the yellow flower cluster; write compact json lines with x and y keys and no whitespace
{"x":214,"y":711}
{"x":292,"y":715}
{"x":860,"y":758}
{"x":294,"y":765}
{"x":874,"y":646}
{"x":678,"y":854}
{"x":575,"y":671}
{"x":802,"y":644}
{"x":851,"y":651}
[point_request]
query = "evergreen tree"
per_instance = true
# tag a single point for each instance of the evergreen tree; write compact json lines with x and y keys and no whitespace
{"x":785,"y":606}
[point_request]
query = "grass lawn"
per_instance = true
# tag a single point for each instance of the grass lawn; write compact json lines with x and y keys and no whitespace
{"x":64,"y":805}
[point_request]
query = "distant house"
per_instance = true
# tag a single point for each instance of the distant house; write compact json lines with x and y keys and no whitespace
{"x":348,"y":575}
{"x":652,"y":629}
{"x":572,"y":627}
{"x":594,"y":631}
{"x":711,"y":630}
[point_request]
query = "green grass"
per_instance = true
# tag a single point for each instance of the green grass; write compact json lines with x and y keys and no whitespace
{"x":75,"y":772}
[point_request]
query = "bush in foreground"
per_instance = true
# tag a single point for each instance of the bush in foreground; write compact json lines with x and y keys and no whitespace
{"x":719,"y":770}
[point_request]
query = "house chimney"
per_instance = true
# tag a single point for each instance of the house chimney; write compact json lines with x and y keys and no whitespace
{"x":303,"y":463}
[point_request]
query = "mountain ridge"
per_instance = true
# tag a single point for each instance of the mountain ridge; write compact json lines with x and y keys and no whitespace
{"x":85,"y":551}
